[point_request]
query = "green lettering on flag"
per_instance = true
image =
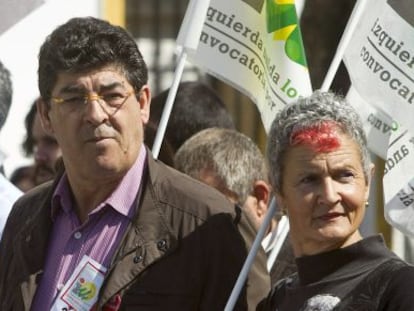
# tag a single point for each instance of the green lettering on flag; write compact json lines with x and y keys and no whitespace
{"x":283,"y":22}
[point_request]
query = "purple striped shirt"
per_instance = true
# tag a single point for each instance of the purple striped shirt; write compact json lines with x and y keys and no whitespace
{"x":98,"y":237}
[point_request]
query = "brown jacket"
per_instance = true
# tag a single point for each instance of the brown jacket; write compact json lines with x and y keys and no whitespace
{"x":182,"y":251}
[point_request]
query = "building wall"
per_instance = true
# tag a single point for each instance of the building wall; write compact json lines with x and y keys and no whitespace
{"x":19,"y":46}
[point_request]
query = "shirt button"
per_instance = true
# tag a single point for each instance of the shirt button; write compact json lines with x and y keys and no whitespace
{"x":77,"y":235}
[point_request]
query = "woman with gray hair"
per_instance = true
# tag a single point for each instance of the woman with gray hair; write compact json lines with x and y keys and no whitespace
{"x":321,"y":173}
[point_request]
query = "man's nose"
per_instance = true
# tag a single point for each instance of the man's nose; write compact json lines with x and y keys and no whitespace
{"x":95,"y":112}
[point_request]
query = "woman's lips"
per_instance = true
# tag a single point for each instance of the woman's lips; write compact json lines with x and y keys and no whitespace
{"x":330,"y":216}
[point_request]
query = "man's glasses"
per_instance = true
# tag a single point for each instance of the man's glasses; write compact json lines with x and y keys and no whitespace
{"x":110,"y":102}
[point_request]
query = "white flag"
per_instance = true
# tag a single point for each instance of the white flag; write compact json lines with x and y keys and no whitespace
{"x":255,"y":46}
{"x":190,"y":30}
{"x":378,"y":126}
{"x":380,"y":61}
{"x":12,"y":11}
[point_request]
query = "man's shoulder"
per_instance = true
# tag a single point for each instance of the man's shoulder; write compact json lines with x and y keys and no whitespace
{"x":187,"y":194}
{"x":25,"y":212}
{"x":8,"y":192}
{"x":26,"y":205}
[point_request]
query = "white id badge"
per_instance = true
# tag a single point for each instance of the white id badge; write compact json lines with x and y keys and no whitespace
{"x":80,"y":292}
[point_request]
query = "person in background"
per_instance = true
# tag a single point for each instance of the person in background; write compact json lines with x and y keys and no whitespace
{"x":196,"y":107}
{"x":115,"y":229}
{"x":8,"y":192}
{"x":233,"y":164}
{"x":22,"y":177}
{"x":44,"y":148}
{"x":321,"y":173}
{"x":40,"y":145}
{"x":166,"y":153}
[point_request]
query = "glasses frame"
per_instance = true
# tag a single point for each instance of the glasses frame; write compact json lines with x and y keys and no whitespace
{"x":100,"y":99}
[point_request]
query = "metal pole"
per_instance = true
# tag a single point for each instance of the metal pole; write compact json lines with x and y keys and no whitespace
{"x":250,"y":257}
{"x":169,"y":104}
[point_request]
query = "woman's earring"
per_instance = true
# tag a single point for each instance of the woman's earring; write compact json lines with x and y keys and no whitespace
{"x":366,"y":204}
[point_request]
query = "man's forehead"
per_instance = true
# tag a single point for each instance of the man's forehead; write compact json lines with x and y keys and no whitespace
{"x":103,"y":77}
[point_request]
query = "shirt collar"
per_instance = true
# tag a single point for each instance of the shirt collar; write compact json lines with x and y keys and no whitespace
{"x":121,"y":199}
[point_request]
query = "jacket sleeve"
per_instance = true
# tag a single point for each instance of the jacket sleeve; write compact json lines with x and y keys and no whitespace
{"x":223,"y":257}
{"x":228,"y":249}
{"x":7,"y":255}
{"x":258,"y":281}
{"x":6,"y":247}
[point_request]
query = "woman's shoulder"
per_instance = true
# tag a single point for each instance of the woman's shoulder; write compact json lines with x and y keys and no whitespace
{"x":393,"y":270}
{"x":380,"y":288}
{"x":401,"y":279}
{"x":398,"y":293}
{"x":390,"y":285}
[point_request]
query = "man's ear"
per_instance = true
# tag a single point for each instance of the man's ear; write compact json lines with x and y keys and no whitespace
{"x":43,"y":112}
{"x":261,"y":191}
{"x":144,"y":100}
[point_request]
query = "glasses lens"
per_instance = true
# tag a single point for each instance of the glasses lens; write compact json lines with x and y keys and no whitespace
{"x":115,"y":100}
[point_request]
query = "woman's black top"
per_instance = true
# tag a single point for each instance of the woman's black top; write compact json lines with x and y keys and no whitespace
{"x":364,"y":276}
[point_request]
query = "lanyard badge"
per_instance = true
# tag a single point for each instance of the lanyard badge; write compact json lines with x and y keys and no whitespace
{"x":80,"y":292}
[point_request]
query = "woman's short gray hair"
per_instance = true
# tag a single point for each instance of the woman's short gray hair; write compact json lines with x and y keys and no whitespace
{"x":307,"y":112}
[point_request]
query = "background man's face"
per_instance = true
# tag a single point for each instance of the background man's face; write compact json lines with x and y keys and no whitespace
{"x":46,"y":152}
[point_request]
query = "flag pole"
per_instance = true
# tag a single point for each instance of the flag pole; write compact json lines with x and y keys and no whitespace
{"x":187,"y":40}
{"x":283,"y":226}
{"x":169,"y":104}
{"x":250,"y":257}
{"x":343,"y":43}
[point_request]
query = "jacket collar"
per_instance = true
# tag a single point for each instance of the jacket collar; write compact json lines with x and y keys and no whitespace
{"x":148,"y":238}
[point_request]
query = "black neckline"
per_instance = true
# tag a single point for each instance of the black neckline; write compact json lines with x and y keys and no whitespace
{"x":356,"y":258}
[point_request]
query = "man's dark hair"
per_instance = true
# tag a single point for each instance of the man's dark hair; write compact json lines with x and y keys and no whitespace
{"x":6,"y":92}
{"x":82,"y":44}
{"x":196,"y":107}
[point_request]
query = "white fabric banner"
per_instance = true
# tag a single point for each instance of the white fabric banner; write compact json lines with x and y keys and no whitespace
{"x":378,"y":126}
{"x":380,"y":61}
{"x":256,"y":47}
{"x":189,"y":35}
{"x":12,"y":11}
{"x":399,"y":182}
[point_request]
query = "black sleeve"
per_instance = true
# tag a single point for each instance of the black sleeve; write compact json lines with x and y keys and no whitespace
{"x":398,"y":295}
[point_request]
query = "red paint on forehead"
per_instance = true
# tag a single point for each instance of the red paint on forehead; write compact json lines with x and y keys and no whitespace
{"x":321,"y":137}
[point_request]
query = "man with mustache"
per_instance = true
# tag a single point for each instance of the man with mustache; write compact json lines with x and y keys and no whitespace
{"x":116,"y":229}
{"x":46,"y":152}
{"x":44,"y":149}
